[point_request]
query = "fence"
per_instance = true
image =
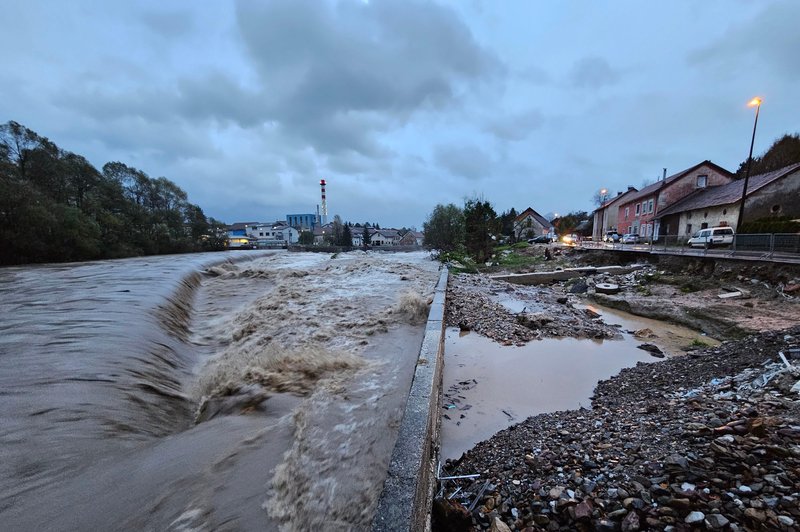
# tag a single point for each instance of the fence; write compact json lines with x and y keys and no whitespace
{"x":754,"y":246}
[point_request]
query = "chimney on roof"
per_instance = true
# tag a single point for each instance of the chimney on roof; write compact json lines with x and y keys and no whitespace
{"x":664,"y":175}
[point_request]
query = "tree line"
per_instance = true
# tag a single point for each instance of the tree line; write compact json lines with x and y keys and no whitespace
{"x":55,"y":206}
{"x":476,"y":228}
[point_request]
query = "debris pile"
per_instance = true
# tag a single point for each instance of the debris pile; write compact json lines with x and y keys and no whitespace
{"x":474,"y":302}
{"x":710,"y":440}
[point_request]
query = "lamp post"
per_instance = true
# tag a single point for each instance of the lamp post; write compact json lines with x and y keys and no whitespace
{"x":603,"y":194}
{"x":755,"y":102}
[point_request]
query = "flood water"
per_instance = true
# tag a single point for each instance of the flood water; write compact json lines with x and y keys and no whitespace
{"x":489,"y":387}
{"x":178,"y":393}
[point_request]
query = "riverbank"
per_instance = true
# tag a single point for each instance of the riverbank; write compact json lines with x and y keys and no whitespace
{"x":707,"y":440}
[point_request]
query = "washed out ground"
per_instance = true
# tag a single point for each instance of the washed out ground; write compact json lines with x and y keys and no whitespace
{"x":706,"y":439}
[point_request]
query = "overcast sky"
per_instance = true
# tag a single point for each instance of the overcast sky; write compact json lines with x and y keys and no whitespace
{"x":403,"y":104}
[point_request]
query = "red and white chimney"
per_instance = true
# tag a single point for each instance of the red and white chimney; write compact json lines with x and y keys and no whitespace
{"x":324,"y":202}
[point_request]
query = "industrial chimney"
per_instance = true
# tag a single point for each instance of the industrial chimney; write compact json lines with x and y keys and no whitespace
{"x":324,"y":203}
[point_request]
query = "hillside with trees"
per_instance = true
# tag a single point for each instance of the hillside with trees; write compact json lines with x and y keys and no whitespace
{"x":782,"y":152}
{"x":56,"y":207}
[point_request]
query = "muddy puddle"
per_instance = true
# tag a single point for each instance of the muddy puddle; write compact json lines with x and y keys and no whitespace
{"x":489,"y":387}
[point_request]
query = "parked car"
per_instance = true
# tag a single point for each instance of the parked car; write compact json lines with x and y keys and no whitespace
{"x":631,"y":238}
{"x":541,"y":239}
{"x":570,"y":240}
{"x":612,"y":236}
{"x":712,"y":236}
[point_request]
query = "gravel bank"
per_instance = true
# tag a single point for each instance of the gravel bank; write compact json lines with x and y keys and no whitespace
{"x":705,"y":441}
{"x":474,"y":302}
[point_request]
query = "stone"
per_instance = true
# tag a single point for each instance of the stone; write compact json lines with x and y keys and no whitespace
{"x":716,"y":521}
{"x":583,"y":510}
{"x":755,"y":515}
{"x":631,"y":522}
{"x":694,"y":517}
{"x":499,"y":526}
{"x":653,"y":349}
{"x":785,"y":520}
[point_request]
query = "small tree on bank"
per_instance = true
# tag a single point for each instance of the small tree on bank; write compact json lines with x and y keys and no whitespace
{"x":444,"y":229}
{"x":480,"y":225}
{"x":366,"y":236}
{"x":306,"y":238}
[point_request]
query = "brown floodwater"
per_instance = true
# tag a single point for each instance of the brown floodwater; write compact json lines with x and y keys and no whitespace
{"x":489,"y":387}
{"x":300,"y":364}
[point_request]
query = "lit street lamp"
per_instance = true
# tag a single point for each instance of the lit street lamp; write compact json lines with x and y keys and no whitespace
{"x":603,"y":198}
{"x":755,"y":102}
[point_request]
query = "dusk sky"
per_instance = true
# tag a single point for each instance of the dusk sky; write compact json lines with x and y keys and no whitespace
{"x":404,"y":104}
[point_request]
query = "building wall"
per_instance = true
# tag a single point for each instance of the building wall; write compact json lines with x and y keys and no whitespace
{"x":779,"y":198}
{"x":688,"y":184}
{"x":304,"y":221}
{"x":723,"y":215}
{"x":521,"y":228}
{"x":645,"y":223}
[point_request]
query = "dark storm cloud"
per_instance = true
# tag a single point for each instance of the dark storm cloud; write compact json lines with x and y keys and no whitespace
{"x":327,"y":67}
{"x":592,"y":73}
{"x":465,"y":161}
{"x":770,"y":40}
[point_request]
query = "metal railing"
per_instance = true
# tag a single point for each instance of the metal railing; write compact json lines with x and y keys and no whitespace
{"x":765,"y":246}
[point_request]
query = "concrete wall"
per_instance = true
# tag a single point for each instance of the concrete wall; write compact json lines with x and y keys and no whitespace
{"x":407,"y":495}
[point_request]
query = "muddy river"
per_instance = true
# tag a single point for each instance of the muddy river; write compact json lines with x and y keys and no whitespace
{"x":182,"y":393}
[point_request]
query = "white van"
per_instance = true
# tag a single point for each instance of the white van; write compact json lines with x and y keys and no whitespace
{"x":712,"y":236}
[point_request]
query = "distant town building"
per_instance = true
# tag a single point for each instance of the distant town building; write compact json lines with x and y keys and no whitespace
{"x":303,"y":222}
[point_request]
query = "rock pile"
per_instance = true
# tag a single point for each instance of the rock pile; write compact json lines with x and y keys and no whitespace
{"x":472,"y":304}
{"x":705,"y":441}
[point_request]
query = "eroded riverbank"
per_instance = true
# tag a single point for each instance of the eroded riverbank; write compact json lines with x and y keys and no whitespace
{"x":708,"y":440}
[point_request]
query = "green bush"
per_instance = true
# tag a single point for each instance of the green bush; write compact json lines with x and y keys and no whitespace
{"x":781,"y":224}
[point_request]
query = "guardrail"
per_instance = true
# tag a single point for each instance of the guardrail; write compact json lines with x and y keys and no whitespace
{"x":765,"y":246}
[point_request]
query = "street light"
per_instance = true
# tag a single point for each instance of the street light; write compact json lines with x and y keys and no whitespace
{"x":755,"y":102}
{"x":603,"y":197}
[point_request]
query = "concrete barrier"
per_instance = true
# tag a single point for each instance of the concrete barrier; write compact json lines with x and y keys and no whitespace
{"x":407,"y":495}
{"x":563,"y":275}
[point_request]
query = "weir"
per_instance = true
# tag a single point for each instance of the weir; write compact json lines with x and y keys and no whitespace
{"x":407,"y":495}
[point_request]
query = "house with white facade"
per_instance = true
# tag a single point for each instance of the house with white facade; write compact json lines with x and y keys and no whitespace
{"x":769,"y":195}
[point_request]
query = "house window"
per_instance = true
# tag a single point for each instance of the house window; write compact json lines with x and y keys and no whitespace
{"x":637,"y":209}
{"x":704,"y":225}
{"x":650,"y":206}
{"x":775,"y":209}
{"x":688,"y":229}
{"x":702,"y":181}
{"x":724,"y":212}
{"x":627,"y":212}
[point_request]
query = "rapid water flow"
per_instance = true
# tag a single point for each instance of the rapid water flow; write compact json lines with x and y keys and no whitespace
{"x":241,"y":391}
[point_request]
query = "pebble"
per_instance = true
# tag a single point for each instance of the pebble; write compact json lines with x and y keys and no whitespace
{"x":694,"y":517}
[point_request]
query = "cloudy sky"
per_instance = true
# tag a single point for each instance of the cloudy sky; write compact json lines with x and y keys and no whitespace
{"x":401,"y":104}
